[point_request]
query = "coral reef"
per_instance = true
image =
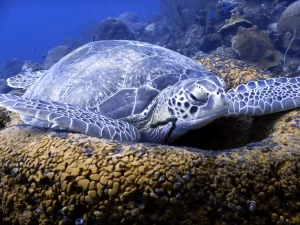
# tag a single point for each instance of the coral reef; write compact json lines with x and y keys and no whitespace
{"x":194,"y":41}
{"x":113,"y":29}
{"x":154,"y":30}
{"x":5,"y":117}
{"x":59,"y":178}
{"x":231,"y":26}
{"x":234,"y":72}
{"x":132,"y":21}
{"x":264,"y":13}
{"x":182,"y":13}
{"x":289,"y":27}
{"x":254,"y":47}
{"x":293,"y":68}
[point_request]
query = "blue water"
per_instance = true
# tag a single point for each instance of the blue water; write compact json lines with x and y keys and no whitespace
{"x":29,"y":28}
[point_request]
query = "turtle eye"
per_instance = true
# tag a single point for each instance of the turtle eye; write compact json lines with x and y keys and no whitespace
{"x":198,"y":96}
{"x":193,"y":97}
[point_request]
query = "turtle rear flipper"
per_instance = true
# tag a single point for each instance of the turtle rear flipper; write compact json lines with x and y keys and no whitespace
{"x":25,"y":79}
{"x":71,"y":118}
{"x":261,"y":97}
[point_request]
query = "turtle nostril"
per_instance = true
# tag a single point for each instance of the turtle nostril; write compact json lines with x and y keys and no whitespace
{"x":218,"y":93}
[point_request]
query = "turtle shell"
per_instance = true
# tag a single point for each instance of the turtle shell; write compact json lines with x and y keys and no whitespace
{"x":114,"y":78}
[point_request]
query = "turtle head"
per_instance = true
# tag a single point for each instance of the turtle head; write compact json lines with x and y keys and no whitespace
{"x":187,"y":105}
{"x":196,"y":102}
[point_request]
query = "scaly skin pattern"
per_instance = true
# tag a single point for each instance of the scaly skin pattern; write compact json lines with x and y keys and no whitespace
{"x":72,"y":118}
{"x":189,"y":104}
{"x":192,"y":103}
{"x":25,"y":79}
{"x":261,"y":97}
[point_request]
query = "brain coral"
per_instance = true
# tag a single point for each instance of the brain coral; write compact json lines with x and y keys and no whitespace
{"x":58,"y":178}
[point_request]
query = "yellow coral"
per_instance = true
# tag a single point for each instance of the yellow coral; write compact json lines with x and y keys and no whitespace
{"x":99,"y":180}
{"x":234,"y":72}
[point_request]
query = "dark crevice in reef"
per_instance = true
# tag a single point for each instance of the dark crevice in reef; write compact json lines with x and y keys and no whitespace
{"x":228,"y":133}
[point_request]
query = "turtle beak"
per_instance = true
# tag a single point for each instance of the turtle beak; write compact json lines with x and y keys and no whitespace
{"x":220,"y":102}
{"x":216,"y":107}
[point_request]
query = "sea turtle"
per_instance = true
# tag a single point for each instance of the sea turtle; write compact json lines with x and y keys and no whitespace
{"x":134,"y":91}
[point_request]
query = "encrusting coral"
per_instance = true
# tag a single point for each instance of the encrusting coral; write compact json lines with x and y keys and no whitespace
{"x":50,"y":177}
{"x":58,"y":178}
{"x":234,"y":72}
{"x":254,"y":46}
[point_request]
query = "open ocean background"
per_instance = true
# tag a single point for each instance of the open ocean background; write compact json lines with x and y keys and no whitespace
{"x":29,"y":28}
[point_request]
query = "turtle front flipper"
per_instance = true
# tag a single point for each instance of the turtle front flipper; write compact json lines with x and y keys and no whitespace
{"x":71,"y":118}
{"x":25,"y":79}
{"x":264,"y":97}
